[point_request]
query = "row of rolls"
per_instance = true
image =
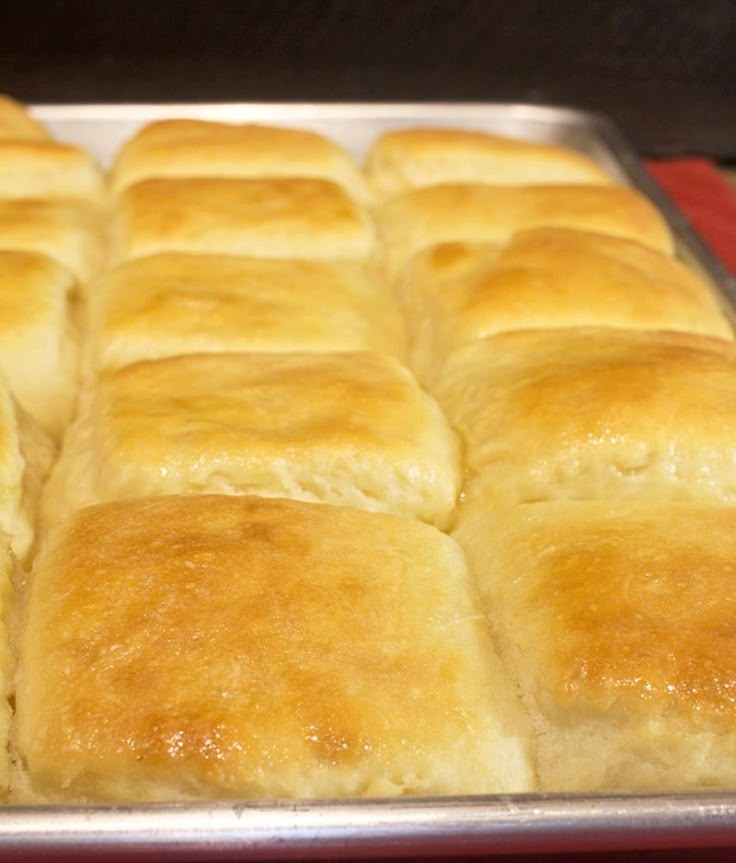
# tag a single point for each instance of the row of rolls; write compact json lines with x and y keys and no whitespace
{"x":320,"y":480}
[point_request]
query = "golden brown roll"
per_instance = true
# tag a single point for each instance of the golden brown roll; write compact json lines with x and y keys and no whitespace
{"x":616,"y":619}
{"x":26,"y":454}
{"x":203,"y":647}
{"x":181,"y":304}
{"x":38,"y":337}
{"x":412,"y":158}
{"x":544,"y":278}
{"x":201,"y":148}
{"x":595,"y":414}
{"x":8,"y":572}
{"x":271,"y":218}
{"x":47,"y":169}
{"x":475,"y":212}
{"x":353,"y":429}
{"x":70,"y":232}
{"x":17,"y":124}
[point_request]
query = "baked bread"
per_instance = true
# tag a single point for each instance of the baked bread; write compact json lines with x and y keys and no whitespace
{"x":204,"y":647}
{"x":48,"y":169}
{"x":155,"y":307}
{"x":38,"y":337}
{"x":595,"y":414}
{"x":70,"y":232}
{"x":475,"y":212}
{"x":201,"y":148}
{"x":351,"y":429}
{"x":410,"y":158}
{"x":545,"y":278}
{"x":271,"y":218}
{"x":8,"y":574}
{"x":17,"y":124}
{"x":616,"y":619}
{"x":26,"y":455}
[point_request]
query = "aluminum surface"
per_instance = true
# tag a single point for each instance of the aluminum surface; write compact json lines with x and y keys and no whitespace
{"x":398,"y":827}
{"x":353,"y":829}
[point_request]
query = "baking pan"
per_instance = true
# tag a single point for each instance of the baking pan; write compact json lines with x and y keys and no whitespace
{"x":500,"y":824}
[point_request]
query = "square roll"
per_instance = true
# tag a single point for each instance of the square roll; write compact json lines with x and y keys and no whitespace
{"x":548,"y":277}
{"x":154,"y":307}
{"x":476,"y":212}
{"x":203,"y":647}
{"x":26,"y":454}
{"x":48,"y":169}
{"x":411,"y":158}
{"x":200,"y":148}
{"x":17,"y":124}
{"x":271,"y":218}
{"x":595,"y":414}
{"x":38,"y":337}
{"x":70,"y":232}
{"x":617,"y":620}
{"x":351,"y":429}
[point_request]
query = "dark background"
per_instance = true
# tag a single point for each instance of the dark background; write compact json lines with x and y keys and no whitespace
{"x":665,"y":71}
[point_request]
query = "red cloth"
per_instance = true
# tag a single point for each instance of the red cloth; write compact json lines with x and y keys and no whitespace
{"x":705,"y":197}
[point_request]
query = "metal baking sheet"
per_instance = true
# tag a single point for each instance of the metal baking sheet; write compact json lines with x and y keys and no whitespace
{"x":501,"y":824}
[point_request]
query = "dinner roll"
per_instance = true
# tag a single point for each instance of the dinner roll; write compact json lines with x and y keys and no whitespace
{"x":38,"y":336}
{"x":8,"y":572}
{"x":616,"y":619}
{"x":475,"y":212}
{"x":181,"y":304}
{"x":454,"y":293}
{"x":271,"y":218}
{"x":48,"y":169}
{"x":410,"y":158}
{"x":26,"y":454}
{"x":201,"y":148}
{"x":353,"y":429}
{"x":70,"y":232}
{"x":217,"y":647}
{"x":17,"y":124}
{"x":595,"y":414}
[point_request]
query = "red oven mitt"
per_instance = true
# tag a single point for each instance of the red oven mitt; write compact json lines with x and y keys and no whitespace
{"x":705,"y":197}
